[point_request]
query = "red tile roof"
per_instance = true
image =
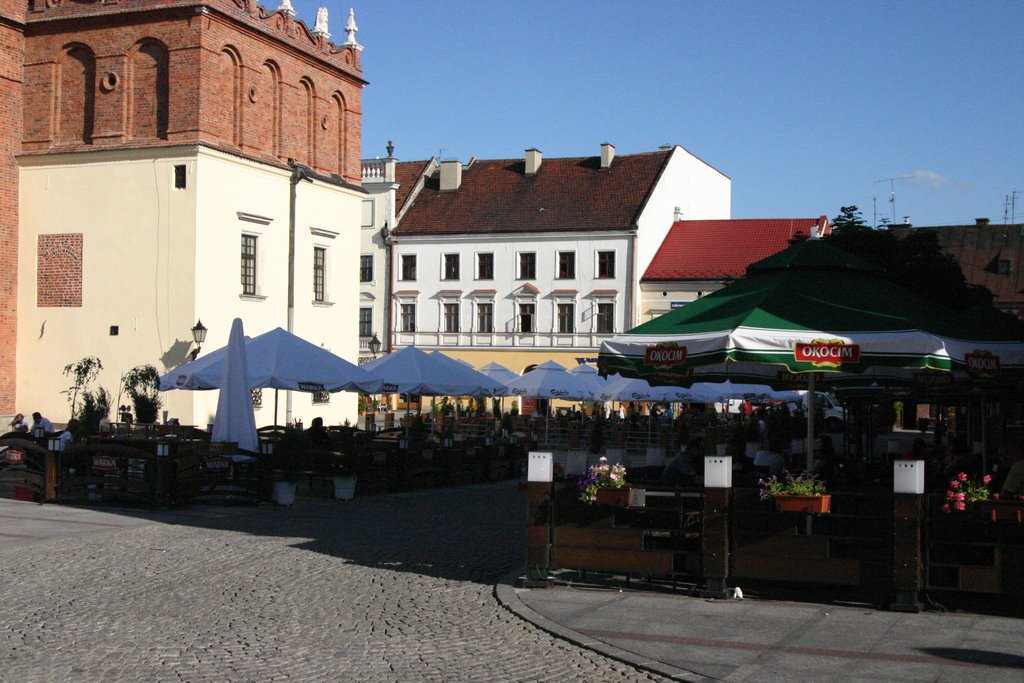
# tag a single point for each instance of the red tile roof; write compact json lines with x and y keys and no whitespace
{"x":712,"y":250}
{"x":566,"y":194}
{"x":406,"y":175}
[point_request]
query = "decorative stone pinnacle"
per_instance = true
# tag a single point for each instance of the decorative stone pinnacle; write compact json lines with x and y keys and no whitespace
{"x":350,"y":29}
{"x":286,"y":8}
{"x":320,"y":26}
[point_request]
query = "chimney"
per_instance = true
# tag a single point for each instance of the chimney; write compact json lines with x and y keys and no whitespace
{"x":533,"y":159}
{"x":677,"y":214}
{"x":981,"y":221}
{"x":607,"y":154}
{"x":451,"y":174}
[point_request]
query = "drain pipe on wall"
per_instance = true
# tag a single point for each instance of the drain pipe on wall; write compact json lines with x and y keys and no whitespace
{"x":299,"y":173}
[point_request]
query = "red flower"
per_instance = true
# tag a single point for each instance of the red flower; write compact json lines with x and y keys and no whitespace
{"x":962,"y":476}
{"x":954,"y":484}
{"x":947,"y":508}
{"x":987,"y":479}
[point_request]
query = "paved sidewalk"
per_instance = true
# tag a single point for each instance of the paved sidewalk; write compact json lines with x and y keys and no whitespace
{"x":689,"y":638}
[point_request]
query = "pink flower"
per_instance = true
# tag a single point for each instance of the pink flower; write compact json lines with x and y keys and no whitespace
{"x":947,"y":508}
{"x":987,"y":479}
{"x":961,"y":506}
{"x":960,"y":496}
{"x":954,"y":484}
{"x":962,"y":476}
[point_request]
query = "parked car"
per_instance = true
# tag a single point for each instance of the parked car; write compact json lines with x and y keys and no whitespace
{"x":827,"y":406}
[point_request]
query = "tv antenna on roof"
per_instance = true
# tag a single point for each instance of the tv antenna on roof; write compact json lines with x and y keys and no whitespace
{"x":892,"y":196}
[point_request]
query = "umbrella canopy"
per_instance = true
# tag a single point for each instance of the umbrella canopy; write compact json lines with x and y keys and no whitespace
{"x":619,"y":388}
{"x":466,"y":372}
{"x":590,"y":378}
{"x":813,"y":307}
{"x":235,"y":420}
{"x":498,"y":373}
{"x":412,"y":371}
{"x":550,"y":380}
{"x":276,"y":359}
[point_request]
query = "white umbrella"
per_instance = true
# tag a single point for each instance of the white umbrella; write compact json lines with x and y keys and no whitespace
{"x":235,"y":420}
{"x":550,"y":380}
{"x":277,"y":359}
{"x":500,"y":373}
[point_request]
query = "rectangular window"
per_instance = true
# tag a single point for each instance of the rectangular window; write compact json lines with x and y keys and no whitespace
{"x":526,"y":317}
{"x":485,"y":318}
{"x":566,"y":265}
{"x":451,"y":317}
{"x":249,"y":265}
{"x":566,"y":318}
{"x":409,"y":267}
{"x":527,"y":266}
{"x":451,"y":266}
{"x":179,"y":177}
{"x":365,"y":322}
{"x":606,"y":264}
{"x":605,"y":318}
{"x":485,"y":266}
{"x":408,"y":317}
{"x":319,"y":272}
{"x":366,"y":268}
{"x":368,"y":217}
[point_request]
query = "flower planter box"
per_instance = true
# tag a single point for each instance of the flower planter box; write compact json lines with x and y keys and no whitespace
{"x":815,"y":504}
{"x":622,"y":498}
{"x":1002,"y":510}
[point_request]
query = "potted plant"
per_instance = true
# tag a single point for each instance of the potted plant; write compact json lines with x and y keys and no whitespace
{"x":286,"y":466}
{"x":344,"y":478}
{"x":142,"y":384}
{"x":802,"y":493}
{"x":605,"y":484}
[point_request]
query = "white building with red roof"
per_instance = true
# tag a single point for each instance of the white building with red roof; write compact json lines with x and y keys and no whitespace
{"x":700,"y":256}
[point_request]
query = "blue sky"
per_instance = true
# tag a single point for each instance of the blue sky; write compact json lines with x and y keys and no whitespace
{"x":805,"y":105}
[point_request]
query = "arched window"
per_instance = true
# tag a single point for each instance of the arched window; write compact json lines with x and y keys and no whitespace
{"x":341,"y":130}
{"x":77,"y":95}
{"x":309,"y":120}
{"x":149,"y":90}
{"x":270,"y":88}
{"x":229,"y":78}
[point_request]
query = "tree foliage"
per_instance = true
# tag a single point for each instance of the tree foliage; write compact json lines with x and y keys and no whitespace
{"x":82,"y":372}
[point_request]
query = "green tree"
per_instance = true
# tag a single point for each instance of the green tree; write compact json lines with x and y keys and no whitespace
{"x":82,"y":373}
{"x":849,"y":218}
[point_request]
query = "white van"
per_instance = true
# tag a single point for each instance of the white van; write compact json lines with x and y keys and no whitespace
{"x":835,"y":414}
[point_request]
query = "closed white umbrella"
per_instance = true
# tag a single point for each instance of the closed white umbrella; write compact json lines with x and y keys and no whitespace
{"x":235,"y":420}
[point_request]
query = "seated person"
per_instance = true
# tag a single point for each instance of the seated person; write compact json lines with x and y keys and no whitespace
{"x":772,"y":458}
{"x":18,"y":424}
{"x":685,"y":464}
{"x":1013,"y":485}
{"x":70,"y":433}
{"x":316,"y":435}
{"x":39,"y":421}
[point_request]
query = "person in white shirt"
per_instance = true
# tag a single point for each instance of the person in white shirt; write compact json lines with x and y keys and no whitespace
{"x":771,"y":458}
{"x":39,"y":421}
{"x":18,"y":424}
{"x":69,"y":434}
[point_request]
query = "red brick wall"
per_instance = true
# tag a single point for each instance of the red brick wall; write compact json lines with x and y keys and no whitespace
{"x":12,"y":46}
{"x":59,"y":271}
{"x":234,"y":77}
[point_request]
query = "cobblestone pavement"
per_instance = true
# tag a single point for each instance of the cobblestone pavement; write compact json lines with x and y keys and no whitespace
{"x":383,"y":588}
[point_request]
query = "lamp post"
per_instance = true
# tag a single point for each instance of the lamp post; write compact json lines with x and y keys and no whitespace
{"x":199,"y":336}
{"x":374,"y":345}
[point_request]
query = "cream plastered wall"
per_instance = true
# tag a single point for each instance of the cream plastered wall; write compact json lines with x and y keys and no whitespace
{"x":137,"y":270}
{"x":156,"y":259}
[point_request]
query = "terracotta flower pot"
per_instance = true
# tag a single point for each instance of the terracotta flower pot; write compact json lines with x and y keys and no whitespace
{"x":816,"y":504}
{"x":614,"y":497}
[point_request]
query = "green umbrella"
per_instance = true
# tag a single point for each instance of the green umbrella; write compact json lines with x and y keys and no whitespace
{"x":814,"y":308}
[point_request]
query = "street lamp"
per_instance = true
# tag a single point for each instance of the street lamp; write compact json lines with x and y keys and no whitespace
{"x":374,"y":345}
{"x":199,"y":336}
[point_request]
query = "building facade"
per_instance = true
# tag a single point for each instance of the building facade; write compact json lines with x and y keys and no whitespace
{"x":183,"y":161}
{"x":528,"y":260}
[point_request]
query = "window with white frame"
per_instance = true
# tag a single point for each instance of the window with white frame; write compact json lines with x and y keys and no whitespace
{"x":451,"y":267}
{"x":566,"y":265}
{"x":407,"y":317}
{"x":485,"y":317}
{"x":566,"y":318}
{"x":605,"y":264}
{"x":605,"y":318}
{"x":249,"y":259}
{"x":366,"y":321}
{"x":368,"y":213}
{"x":408,"y":267}
{"x":485,"y":266}
{"x":527,"y":314}
{"x":527,"y":265}
{"x":451,"y":317}
{"x":366,"y":267}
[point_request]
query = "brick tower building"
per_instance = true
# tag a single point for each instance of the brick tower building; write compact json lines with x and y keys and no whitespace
{"x":160,"y":150}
